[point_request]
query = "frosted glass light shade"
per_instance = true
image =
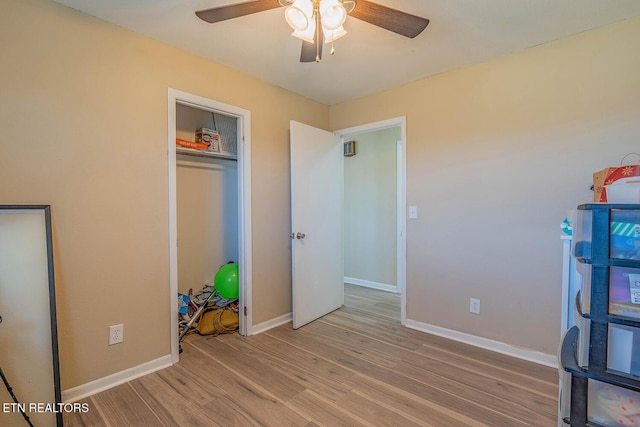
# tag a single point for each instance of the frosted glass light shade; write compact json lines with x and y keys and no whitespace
{"x":333,"y":14}
{"x":308,"y":33}
{"x":333,"y":35}
{"x":298,"y":15}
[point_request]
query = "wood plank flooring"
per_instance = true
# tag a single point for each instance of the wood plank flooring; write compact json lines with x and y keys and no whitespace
{"x":356,"y":366}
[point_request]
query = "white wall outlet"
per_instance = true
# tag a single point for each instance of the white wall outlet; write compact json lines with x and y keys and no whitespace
{"x":474,"y":305}
{"x":116,"y":334}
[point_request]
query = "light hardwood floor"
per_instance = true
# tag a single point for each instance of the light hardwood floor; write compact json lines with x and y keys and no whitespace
{"x":356,"y":366}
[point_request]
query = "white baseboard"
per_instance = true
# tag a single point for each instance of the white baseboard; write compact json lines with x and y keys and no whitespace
{"x":270,"y":324}
{"x":486,"y":343}
{"x":371,"y":284}
{"x":93,"y":387}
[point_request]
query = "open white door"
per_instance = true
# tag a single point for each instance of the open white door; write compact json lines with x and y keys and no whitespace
{"x":316,"y":221}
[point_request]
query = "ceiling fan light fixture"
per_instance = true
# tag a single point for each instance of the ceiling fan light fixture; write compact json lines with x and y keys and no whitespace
{"x":332,"y":35}
{"x":299,"y":15}
{"x":333,"y":14}
{"x":308,"y":33}
{"x":307,"y":17}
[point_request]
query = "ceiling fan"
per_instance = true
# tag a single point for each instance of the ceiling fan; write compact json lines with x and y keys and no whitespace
{"x":321,"y":21}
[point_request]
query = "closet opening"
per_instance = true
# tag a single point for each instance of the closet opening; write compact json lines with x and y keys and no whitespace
{"x":209,"y":178}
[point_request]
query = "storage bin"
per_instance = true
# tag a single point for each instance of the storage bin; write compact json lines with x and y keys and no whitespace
{"x":612,"y":406}
{"x":623,"y":350}
{"x":625,"y":234}
{"x":624,"y":292}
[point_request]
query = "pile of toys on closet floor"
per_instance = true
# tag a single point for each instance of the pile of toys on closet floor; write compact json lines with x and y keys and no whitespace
{"x":214,"y":309}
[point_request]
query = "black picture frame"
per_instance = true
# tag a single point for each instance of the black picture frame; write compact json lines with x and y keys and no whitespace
{"x":57,"y":393}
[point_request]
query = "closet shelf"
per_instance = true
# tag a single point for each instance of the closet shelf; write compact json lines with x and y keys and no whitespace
{"x":202,"y":153}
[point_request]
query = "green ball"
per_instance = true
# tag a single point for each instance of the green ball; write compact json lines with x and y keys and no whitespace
{"x":226,"y":281}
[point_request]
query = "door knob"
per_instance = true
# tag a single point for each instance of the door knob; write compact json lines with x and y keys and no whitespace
{"x":300,"y":235}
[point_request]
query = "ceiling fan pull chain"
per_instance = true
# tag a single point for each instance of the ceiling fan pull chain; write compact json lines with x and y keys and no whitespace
{"x":332,"y":40}
{"x":317,"y":12}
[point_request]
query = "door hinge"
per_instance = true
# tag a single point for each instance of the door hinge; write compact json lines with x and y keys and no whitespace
{"x":245,"y":310}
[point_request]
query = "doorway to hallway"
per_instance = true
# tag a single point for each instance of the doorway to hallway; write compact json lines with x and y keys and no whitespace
{"x":374,"y":210}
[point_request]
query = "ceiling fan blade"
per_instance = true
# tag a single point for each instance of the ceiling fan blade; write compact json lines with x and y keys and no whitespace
{"x":312,"y":52}
{"x":390,"y":19}
{"x":223,"y":13}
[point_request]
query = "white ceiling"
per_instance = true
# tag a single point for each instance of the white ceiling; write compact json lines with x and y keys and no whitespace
{"x":368,"y":59}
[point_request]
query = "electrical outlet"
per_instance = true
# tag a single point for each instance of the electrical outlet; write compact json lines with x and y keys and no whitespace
{"x":474,"y":306}
{"x":116,"y":334}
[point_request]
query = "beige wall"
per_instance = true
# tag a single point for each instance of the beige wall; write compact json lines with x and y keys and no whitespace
{"x":83,"y":114}
{"x":370,"y":207}
{"x":497,"y":154}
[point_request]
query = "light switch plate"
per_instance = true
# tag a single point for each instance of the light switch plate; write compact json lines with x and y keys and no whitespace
{"x":413,"y":212}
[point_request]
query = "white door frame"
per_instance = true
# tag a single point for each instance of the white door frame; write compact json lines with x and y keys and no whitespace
{"x":401,"y":199}
{"x":244,"y":206}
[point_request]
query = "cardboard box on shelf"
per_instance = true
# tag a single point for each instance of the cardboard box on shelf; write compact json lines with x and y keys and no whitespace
{"x":210,"y":137}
